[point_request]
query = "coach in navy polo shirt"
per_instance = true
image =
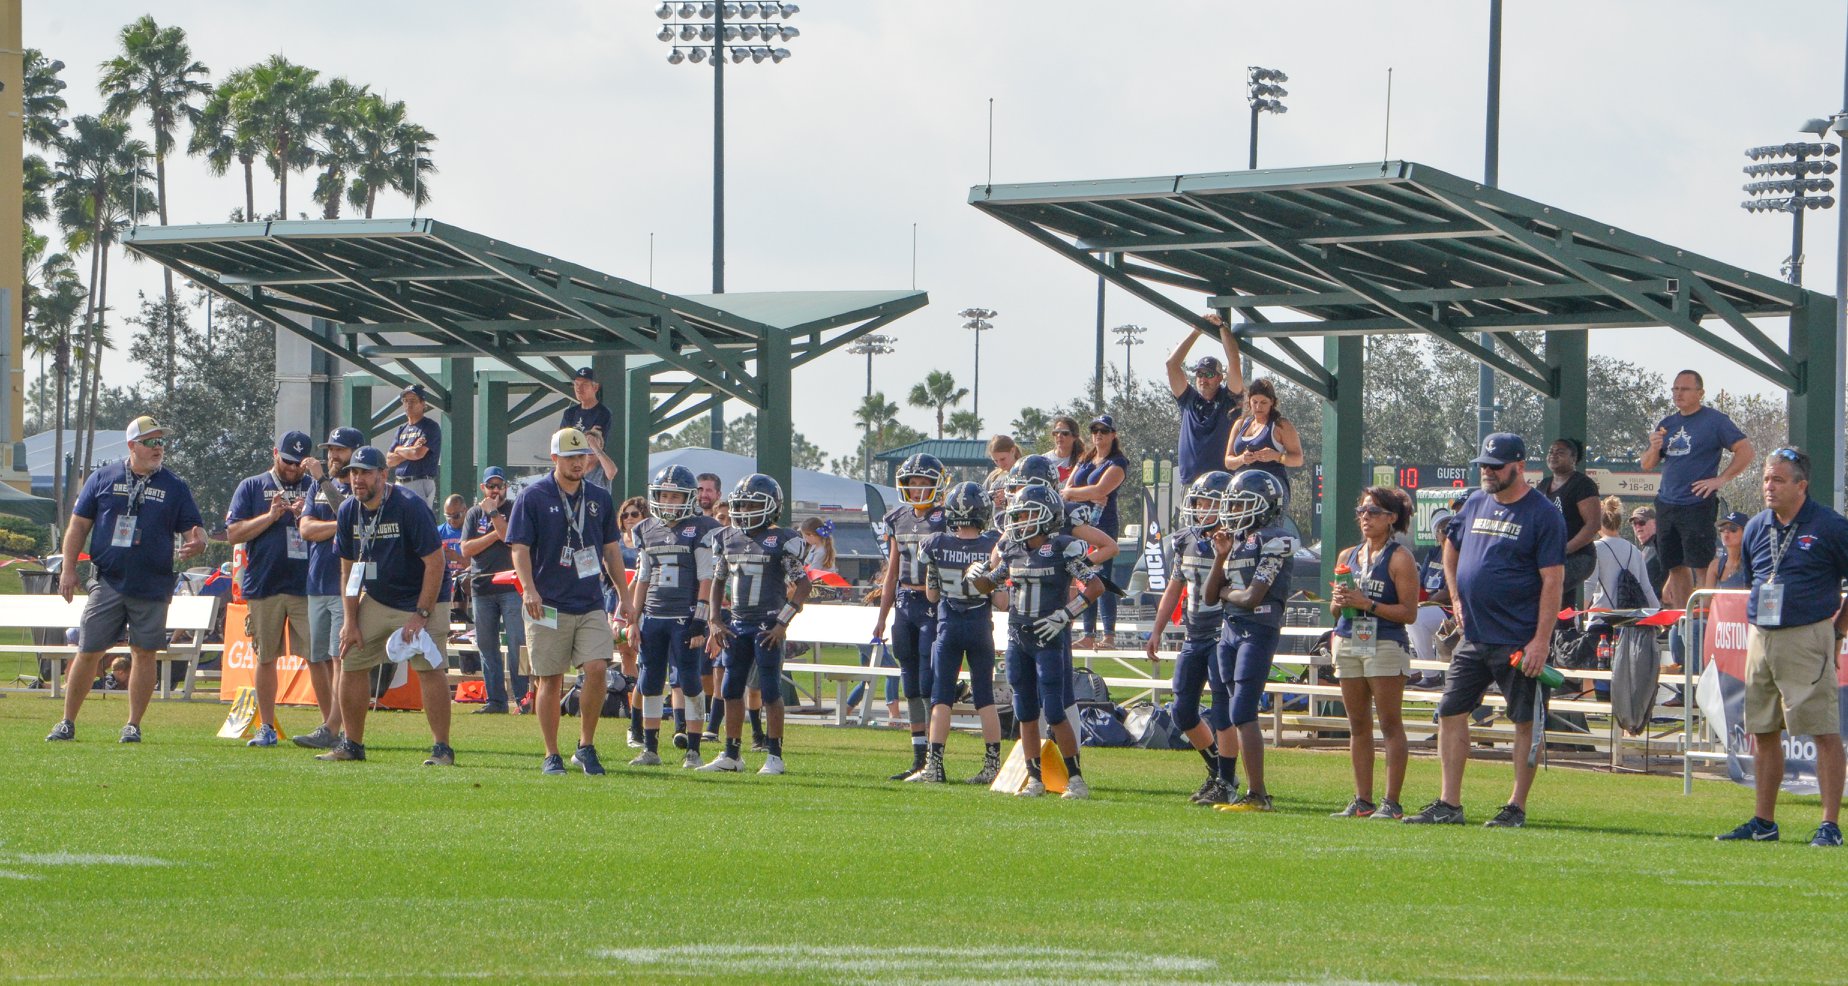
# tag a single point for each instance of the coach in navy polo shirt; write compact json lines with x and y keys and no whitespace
{"x":1208,"y":405}
{"x":592,"y":417}
{"x":563,"y":535}
{"x":1504,"y":560}
{"x":326,"y":614}
{"x":417,"y":447}
{"x":127,"y":514}
{"x":391,"y":566}
{"x":263,"y":517}
{"x":1797,"y":553}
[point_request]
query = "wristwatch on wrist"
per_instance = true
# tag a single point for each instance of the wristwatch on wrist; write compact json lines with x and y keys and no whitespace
{"x":424,"y":613}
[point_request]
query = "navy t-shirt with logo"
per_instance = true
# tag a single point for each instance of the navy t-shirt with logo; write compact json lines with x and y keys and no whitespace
{"x":585,"y":419}
{"x":1501,"y":548}
{"x":494,"y":558}
{"x":268,"y":569}
{"x":163,"y":507}
{"x":432,"y":434}
{"x":1691,"y":452}
{"x":323,"y":557}
{"x":1814,"y":562}
{"x":396,"y":537}
{"x":544,"y":520}
{"x":1206,"y":426}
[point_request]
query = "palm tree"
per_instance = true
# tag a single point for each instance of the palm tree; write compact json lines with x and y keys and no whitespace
{"x":1031,"y":428}
{"x":287,"y":109}
{"x":225,"y":132}
{"x":965,"y":424}
{"x":392,"y":155}
{"x":874,"y":415}
{"x":48,"y":333}
{"x":42,"y":100}
{"x":339,"y":151}
{"x":938,"y":391}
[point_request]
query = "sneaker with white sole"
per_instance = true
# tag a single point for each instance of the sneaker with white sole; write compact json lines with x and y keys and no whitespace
{"x":1076,"y":789}
{"x":724,"y":763}
{"x":322,"y":738}
{"x":634,"y":742}
{"x":647,"y":758}
{"x":64,"y":731}
{"x":131,"y":733}
{"x":553,"y":765}
{"x":773,"y":764}
{"x":1247,"y":802}
{"x":930,"y":773}
{"x":266,"y":736}
{"x":1388,"y":810}
{"x":344,"y":750}
{"x":441,"y":755}
{"x":1752,"y":831}
{"x":1033,"y":789}
{"x":1509,"y":817}
{"x":586,"y":758}
{"x":1436,"y":813}
{"x":691,"y":761}
{"x":1828,"y":836}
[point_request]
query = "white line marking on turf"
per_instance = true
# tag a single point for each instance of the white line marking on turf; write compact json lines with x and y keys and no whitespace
{"x":856,"y":962}
{"x":10,"y":875}
{"x":84,"y":859}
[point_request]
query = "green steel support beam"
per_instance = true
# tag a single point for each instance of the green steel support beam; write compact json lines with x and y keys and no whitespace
{"x":491,"y":419}
{"x":1813,"y":404}
{"x":774,"y":424}
{"x":529,"y":400}
{"x":636,"y":418}
{"x":457,"y":472}
{"x":698,"y":409}
{"x":357,"y":398}
{"x":1342,"y":435}
{"x":1564,"y":415}
{"x":544,"y":413}
{"x":613,"y":392}
{"x":1500,"y":292}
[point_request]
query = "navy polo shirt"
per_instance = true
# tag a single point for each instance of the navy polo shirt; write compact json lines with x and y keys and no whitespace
{"x":396,"y":537}
{"x":1206,"y":426}
{"x":543,"y":520}
{"x":1691,"y":452}
{"x":584,"y":419}
{"x":268,"y":569}
{"x":432,"y":434}
{"x":162,"y":508}
{"x":1814,"y":563}
{"x":323,"y":557}
{"x":1501,"y":548}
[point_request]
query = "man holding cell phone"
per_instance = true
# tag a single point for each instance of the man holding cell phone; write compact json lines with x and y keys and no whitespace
{"x":563,"y":535}
{"x":264,"y":517}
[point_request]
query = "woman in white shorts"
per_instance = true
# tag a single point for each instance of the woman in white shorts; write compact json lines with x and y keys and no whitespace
{"x":1372,"y":653}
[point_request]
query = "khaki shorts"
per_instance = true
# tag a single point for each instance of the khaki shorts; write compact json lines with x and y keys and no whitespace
{"x":377,"y":622}
{"x":579,"y":639}
{"x":273,"y":616}
{"x":1388,"y":661}
{"x":1790,"y":680}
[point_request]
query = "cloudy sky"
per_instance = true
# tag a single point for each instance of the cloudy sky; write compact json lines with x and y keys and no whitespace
{"x":562,"y":127}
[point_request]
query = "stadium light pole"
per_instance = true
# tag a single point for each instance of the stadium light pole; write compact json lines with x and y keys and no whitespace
{"x":1265,"y":94}
{"x":702,"y":32}
{"x":978,"y":322}
{"x":870,"y":346}
{"x":1127,"y":336}
{"x":1803,"y":186}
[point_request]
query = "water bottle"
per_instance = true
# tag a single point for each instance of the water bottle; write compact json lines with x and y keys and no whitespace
{"x":1345,"y":576}
{"x":1549,"y":675}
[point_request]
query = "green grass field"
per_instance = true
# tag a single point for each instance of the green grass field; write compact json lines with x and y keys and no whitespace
{"x":193,"y":858}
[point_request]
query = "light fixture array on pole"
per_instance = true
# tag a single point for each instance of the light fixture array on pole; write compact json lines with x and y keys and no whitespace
{"x":870,"y":345}
{"x":705,"y":32}
{"x":1791,"y":178}
{"x":979,"y":321}
{"x":1127,"y":336}
{"x":1263,"y":90}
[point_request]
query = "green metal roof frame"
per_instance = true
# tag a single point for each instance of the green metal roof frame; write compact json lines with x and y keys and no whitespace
{"x":1394,"y":247}
{"x":949,"y":451}
{"x":399,"y":290}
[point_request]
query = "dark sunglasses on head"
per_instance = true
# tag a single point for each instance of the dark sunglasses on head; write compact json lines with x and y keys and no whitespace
{"x":1787,"y":454}
{"x":154,"y":442}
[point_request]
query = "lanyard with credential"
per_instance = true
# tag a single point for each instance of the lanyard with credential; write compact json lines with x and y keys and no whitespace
{"x":1778,"y":547}
{"x":576,"y":514}
{"x":137,"y":490}
{"x":368,"y":532}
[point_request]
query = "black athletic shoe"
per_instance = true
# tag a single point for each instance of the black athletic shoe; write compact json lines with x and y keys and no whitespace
{"x":490,"y":710}
{"x":680,"y":740}
{"x":1436,"y":813}
{"x":441,"y":755}
{"x":64,"y":730}
{"x":1509,"y":817}
{"x":916,"y":765}
{"x":1204,"y":791}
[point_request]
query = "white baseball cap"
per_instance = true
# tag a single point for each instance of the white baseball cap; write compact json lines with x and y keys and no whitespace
{"x":570,"y":441}
{"x":145,"y":426}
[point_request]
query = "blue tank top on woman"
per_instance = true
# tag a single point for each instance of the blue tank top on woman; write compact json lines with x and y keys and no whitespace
{"x":1378,"y":585}
{"x":1263,"y":439}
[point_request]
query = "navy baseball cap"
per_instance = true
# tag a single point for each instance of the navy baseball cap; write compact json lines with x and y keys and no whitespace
{"x":294,"y":446}
{"x":1736,"y":519}
{"x":584,"y":373}
{"x":364,"y":458}
{"x":344,"y":438}
{"x":1500,"y":449}
{"x":1104,"y":421}
{"x":1208,"y":366}
{"x":418,"y":389}
{"x":493,"y":472}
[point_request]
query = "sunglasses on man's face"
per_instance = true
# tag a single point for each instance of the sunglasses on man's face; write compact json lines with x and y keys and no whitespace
{"x":155,"y":443}
{"x":496,"y":487}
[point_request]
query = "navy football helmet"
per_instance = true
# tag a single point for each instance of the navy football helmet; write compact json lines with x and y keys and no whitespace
{"x":967,"y":505}
{"x":1032,"y":512}
{"x":928,"y":468}
{"x":1205,"y":496}
{"x":756,"y":502}
{"x":1254,"y":500}
{"x":1032,"y":470}
{"x":673,"y":479}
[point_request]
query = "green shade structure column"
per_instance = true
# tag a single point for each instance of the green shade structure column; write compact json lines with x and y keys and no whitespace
{"x":613,"y":393}
{"x":637,"y":426}
{"x":1341,"y":437}
{"x":774,"y":426}
{"x":1813,"y":404}
{"x":357,"y":398}
{"x":456,"y":473}
{"x":1563,"y":415}
{"x":490,"y":423}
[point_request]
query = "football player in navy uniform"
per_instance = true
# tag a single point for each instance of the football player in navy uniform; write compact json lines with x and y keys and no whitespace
{"x":1037,"y":470}
{"x":965,"y":628}
{"x":921,"y":482}
{"x":1043,"y":565}
{"x":1251,"y":575}
{"x":673,"y":578}
{"x":1189,"y":559}
{"x":763,"y":569}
